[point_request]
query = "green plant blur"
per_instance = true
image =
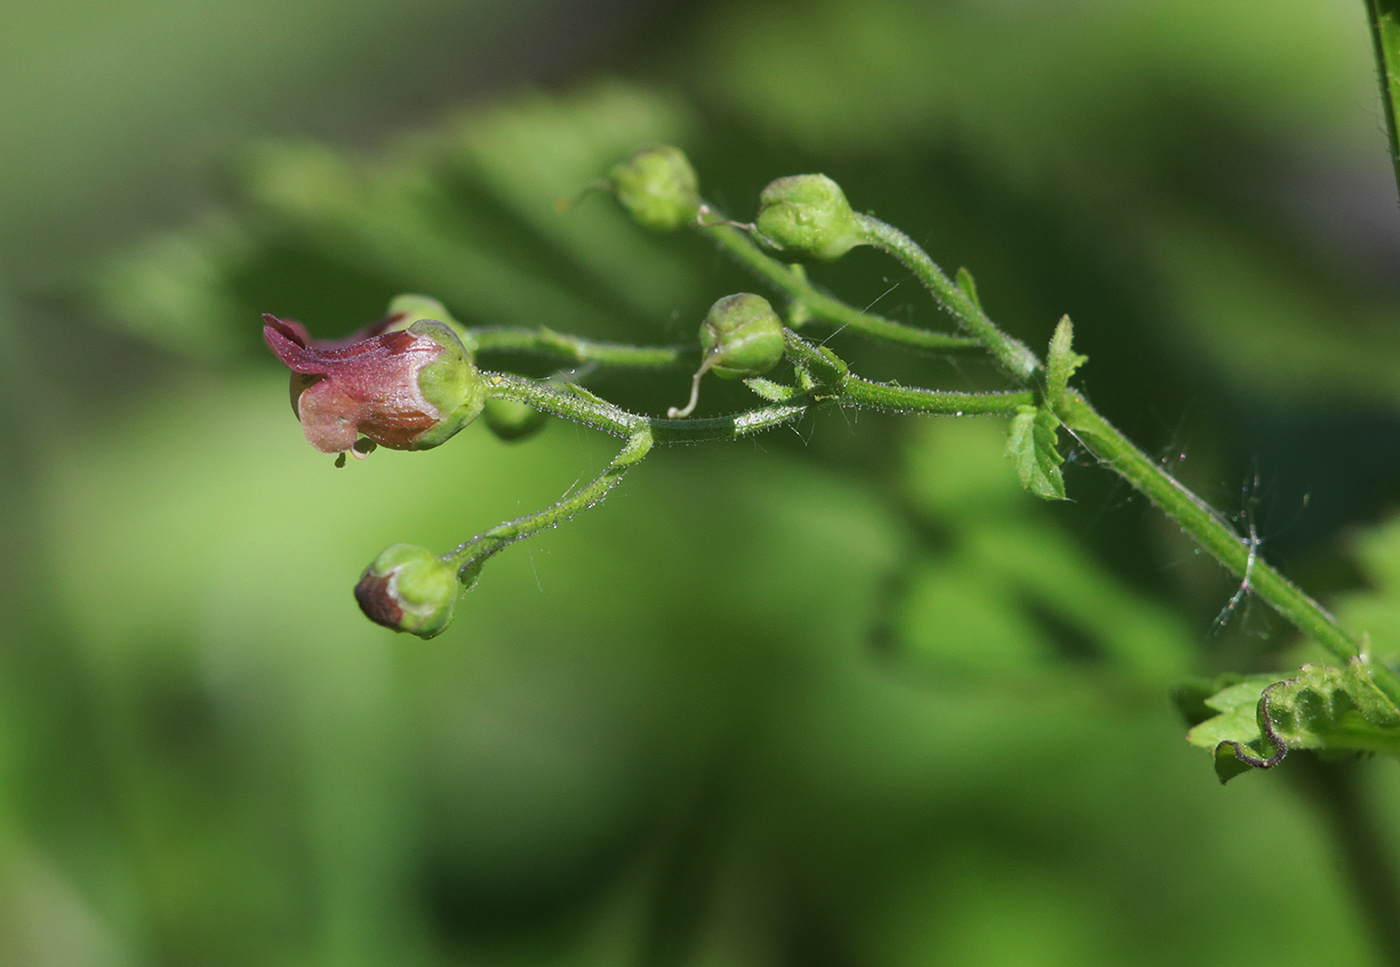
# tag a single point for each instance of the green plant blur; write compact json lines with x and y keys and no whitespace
{"x":840,"y":696}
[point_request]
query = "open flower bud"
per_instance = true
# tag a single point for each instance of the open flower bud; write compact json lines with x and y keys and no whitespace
{"x":742,"y":336}
{"x":807,"y":217}
{"x":658,"y":188}
{"x":408,"y":389}
{"x":408,"y":588}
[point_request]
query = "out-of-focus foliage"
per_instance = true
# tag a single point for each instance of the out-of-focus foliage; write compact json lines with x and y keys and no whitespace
{"x":808,"y":699}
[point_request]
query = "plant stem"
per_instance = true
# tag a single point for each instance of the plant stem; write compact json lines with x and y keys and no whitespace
{"x":1197,"y":518}
{"x":1205,"y":525}
{"x":577,"y":405}
{"x":912,"y":399}
{"x":1239,"y":555}
{"x":567,"y":401}
{"x":1014,"y":356}
{"x":822,"y":306}
{"x":547,"y":342}
{"x":469,"y":556}
{"x":1384,"y":16}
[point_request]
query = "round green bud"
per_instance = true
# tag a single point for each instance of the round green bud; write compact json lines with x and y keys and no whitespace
{"x":511,"y":419}
{"x":658,"y":188}
{"x":807,"y":217}
{"x":742,"y":336}
{"x":451,"y":383}
{"x":408,"y":588}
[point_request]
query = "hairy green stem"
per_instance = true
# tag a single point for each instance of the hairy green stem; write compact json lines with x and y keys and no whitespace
{"x":1384,"y":17}
{"x":566,"y":401}
{"x":822,"y":306}
{"x":469,"y":556}
{"x":833,"y":381}
{"x":577,"y":405}
{"x":547,"y":342}
{"x":1239,"y":555}
{"x":912,"y":399}
{"x":1014,"y":356}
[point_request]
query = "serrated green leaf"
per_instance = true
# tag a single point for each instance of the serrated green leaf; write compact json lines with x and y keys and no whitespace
{"x":1323,"y":708}
{"x":1032,"y":447}
{"x":1062,"y":360}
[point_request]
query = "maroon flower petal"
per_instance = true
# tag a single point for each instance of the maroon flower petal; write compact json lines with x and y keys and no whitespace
{"x":329,"y":417}
{"x":366,"y":385}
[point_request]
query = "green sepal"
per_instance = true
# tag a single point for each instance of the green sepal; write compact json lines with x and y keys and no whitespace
{"x":451,"y":383}
{"x":807,"y":217}
{"x":1062,"y":361}
{"x":1033,"y":447}
{"x":1326,"y":709}
{"x":658,"y":188}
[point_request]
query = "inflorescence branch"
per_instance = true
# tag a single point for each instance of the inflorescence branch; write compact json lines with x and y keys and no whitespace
{"x":804,"y":218}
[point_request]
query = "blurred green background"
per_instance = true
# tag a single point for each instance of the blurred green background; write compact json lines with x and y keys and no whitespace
{"x":843,"y":696}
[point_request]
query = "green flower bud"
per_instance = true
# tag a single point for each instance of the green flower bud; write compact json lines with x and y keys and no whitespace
{"x":658,"y":188}
{"x":807,"y":217}
{"x":408,"y":588}
{"x":742,"y":336}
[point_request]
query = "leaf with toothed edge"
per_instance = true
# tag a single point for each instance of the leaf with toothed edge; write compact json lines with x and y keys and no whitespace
{"x":1032,"y":446}
{"x":1324,"y":708}
{"x":1062,"y":361}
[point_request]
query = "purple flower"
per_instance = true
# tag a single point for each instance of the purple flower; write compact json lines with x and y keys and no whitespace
{"x":406,"y":389}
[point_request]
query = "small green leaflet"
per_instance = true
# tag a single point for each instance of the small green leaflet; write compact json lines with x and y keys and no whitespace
{"x":968,"y":286}
{"x":1062,"y":361}
{"x":1324,"y":708}
{"x":1032,"y":447}
{"x":769,"y":390}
